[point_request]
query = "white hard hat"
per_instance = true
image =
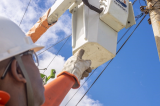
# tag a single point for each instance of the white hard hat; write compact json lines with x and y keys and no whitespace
{"x":13,"y":40}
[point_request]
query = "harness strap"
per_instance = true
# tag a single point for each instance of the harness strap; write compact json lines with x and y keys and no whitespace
{"x":30,"y":99}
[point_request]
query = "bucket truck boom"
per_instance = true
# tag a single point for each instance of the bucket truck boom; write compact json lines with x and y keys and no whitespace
{"x":95,"y":25}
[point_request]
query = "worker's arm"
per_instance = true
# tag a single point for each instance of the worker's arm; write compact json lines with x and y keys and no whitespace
{"x":74,"y":70}
{"x":40,"y":27}
{"x":56,"y":90}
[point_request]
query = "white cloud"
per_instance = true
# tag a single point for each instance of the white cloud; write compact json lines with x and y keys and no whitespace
{"x":14,"y":10}
{"x":86,"y":101}
{"x":57,"y":64}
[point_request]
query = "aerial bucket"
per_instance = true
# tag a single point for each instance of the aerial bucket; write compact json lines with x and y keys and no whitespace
{"x":97,"y":33}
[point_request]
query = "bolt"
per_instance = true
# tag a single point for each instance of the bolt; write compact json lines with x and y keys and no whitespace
{"x":146,"y":12}
{"x":142,"y":8}
{"x":149,"y":21}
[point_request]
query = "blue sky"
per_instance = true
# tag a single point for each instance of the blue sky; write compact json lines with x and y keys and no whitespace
{"x":132,"y":78}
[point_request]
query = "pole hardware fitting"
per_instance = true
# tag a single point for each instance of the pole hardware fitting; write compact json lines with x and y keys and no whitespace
{"x":149,"y":21}
{"x":146,"y":12}
{"x":142,"y":8}
{"x":150,"y":6}
{"x":92,"y":7}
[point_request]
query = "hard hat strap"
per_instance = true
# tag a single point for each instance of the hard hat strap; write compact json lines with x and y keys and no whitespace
{"x":30,"y":98}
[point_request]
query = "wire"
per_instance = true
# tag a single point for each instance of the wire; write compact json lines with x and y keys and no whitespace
{"x":139,"y":16}
{"x":86,"y":2}
{"x":145,"y":2}
{"x":55,"y":56}
{"x":111,"y":60}
{"x":25,"y":12}
{"x":126,"y":33}
{"x":134,"y":2}
{"x":53,"y":45}
{"x":140,"y":3}
{"x":80,"y":87}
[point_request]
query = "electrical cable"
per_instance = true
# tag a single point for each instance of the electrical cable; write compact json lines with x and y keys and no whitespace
{"x":55,"y":56}
{"x":140,"y":3}
{"x":80,"y":87}
{"x":145,"y":2}
{"x":25,"y":12}
{"x":53,"y":45}
{"x":111,"y":60}
{"x":134,"y":2}
{"x":140,"y":15}
{"x":86,"y":2}
{"x":126,"y":32}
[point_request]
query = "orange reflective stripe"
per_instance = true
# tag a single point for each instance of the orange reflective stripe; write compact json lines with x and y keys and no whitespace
{"x":4,"y":98}
{"x":56,"y":90}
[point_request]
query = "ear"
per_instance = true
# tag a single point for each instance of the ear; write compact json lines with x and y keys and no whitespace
{"x":17,"y":74}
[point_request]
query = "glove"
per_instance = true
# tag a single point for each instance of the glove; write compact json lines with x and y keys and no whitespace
{"x":76,"y":67}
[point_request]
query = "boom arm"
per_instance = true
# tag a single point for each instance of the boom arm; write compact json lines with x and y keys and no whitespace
{"x":50,"y":18}
{"x":58,"y":9}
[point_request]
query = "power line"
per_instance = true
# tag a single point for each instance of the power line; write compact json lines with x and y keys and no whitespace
{"x":55,"y":55}
{"x":145,"y":2}
{"x":140,"y":3}
{"x":111,"y":60}
{"x":80,"y":87}
{"x":25,"y":12}
{"x":96,"y":68}
{"x":22,"y":20}
{"x":53,"y":45}
{"x":128,"y":29}
{"x":134,"y":2}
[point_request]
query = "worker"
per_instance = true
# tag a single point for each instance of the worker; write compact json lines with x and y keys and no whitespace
{"x":20,"y":81}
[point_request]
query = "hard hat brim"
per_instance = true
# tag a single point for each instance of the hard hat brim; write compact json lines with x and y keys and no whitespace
{"x":15,"y":51}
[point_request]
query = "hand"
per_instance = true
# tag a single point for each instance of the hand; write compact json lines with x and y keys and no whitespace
{"x":77,"y":67}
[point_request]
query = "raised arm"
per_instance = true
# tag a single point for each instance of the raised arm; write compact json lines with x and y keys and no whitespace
{"x":74,"y":70}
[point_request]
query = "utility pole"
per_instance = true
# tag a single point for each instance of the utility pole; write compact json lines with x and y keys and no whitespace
{"x":153,"y":6}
